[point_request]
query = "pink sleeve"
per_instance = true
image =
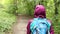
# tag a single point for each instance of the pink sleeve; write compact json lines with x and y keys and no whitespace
{"x":28,"y":27}
{"x":51,"y":28}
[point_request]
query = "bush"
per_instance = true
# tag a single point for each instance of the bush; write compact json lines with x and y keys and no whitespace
{"x":6,"y":21}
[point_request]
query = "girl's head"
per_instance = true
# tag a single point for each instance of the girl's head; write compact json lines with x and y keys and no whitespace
{"x":40,"y":11}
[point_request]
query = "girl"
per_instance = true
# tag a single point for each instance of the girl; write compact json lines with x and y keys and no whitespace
{"x":40,"y":11}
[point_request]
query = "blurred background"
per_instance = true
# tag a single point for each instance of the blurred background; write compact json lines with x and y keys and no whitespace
{"x":15,"y":13}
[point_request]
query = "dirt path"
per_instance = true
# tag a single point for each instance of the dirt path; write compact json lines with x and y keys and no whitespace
{"x":20,"y":26}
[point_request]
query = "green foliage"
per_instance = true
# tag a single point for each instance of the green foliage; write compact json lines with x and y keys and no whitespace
{"x":6,"y":18}
{"x":50,"y":9}
{"x":6,"y":21}
{"x":27,"y":8}
{"x":21,"y":7}
{"x":9,"y":6}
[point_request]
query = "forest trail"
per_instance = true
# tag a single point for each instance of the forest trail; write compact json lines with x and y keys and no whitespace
{"x":20,"y":26}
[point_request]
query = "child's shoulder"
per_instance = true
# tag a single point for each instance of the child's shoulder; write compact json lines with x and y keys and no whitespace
{"x":30,"y":20}
{"x":49,"y":20}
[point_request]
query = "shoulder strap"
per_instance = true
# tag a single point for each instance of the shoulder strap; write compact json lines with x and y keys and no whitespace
{"x":49,"y":24}
{"x":33,"y":24}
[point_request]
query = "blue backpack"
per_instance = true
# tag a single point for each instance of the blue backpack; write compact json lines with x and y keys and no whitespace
{"x":40,"y":26}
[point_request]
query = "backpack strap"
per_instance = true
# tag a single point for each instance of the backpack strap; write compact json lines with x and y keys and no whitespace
{"x":32,"y":25}
{"x":48,"y":25}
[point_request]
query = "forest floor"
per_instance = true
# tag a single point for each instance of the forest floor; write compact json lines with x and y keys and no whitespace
{"x":20,"y":26}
